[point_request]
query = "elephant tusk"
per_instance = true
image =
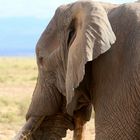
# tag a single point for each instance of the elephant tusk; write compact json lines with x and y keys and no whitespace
{"x":80,"y":127}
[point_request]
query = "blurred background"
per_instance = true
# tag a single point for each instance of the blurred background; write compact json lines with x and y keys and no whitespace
{"x":21,"y":24}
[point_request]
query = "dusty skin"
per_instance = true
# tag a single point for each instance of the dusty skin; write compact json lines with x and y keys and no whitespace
{"x":15,"y":96}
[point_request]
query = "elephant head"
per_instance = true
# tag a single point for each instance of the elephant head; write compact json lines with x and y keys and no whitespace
{"x":78,"y":33}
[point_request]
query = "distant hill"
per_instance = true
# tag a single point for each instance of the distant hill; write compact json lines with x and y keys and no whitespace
{"x":18,"y":36}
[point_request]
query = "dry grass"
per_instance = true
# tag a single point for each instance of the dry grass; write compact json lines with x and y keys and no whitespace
{"x":17,"y":82}
{"x":17,"y":71}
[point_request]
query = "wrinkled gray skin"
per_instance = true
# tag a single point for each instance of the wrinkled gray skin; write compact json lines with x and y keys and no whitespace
{"x":80,"y":64}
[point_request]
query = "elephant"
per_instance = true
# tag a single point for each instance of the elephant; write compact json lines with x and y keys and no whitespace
{"x":88,"y":56}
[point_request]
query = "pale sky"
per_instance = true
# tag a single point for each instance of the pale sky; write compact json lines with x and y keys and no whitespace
{"x":36,"y":8}
{"x":23,"y":21}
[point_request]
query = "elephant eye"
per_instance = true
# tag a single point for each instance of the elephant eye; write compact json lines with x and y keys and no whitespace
{"x":71,"y":33}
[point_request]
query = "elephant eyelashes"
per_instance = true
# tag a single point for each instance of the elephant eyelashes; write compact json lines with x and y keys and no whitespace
{"x":71,"y":33}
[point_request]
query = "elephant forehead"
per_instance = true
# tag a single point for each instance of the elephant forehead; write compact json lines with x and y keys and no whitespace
{"x":48,"y":41}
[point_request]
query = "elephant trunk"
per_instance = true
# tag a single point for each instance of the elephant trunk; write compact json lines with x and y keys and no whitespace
{"x":29,"y":128}
{"x":46,"y":99}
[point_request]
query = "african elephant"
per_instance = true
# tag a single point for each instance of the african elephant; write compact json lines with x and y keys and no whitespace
{"x":81,"y":63}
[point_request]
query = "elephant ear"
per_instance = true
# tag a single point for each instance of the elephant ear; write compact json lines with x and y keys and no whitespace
{"x":93,"y":37}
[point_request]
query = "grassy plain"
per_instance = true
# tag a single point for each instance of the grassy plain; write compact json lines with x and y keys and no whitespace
{"x":17,"y":81}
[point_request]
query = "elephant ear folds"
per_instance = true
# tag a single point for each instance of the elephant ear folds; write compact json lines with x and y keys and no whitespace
{"x":94,"y":36}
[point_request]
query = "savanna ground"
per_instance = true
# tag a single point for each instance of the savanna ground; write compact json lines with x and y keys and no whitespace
{"x":17,"y":81}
